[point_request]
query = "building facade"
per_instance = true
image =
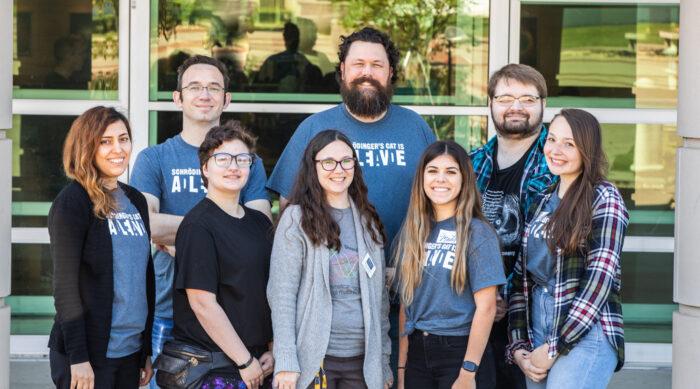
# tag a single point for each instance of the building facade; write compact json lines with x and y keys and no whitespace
{"x":617,"y":59}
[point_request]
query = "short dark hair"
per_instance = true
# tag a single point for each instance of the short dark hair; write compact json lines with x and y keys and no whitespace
{"x":202,"y":59}
{"x":368,"y":34}
{"x":524,"y":74}
{"x":231,"y":130}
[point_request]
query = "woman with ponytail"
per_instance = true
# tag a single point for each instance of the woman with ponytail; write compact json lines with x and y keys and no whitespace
{"x":565,"y":316}
{"x":448,"y":267}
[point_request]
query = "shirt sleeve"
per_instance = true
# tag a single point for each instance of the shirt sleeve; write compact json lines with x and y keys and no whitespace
{"x":485,"y":267}
{"x":196,"y":263}
{"x":282,"y":177}
{"x":68,"y":226}
{"x":146,"y":176}
{"x":255,"y":187}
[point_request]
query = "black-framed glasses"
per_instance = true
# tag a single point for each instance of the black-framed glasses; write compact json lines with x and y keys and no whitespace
{"x":197,"y":89}
{"x":243,"y":160}
{"x":329,"y":164}
{"x":525,"y":100}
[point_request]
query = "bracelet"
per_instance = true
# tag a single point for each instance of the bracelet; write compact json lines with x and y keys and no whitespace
{"x":402,"y":367}
{"x":243,"y":366}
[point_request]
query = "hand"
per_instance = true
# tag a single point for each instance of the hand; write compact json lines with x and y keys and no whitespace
{"x":268,"y":363}
{"x":388,"y":384}
{"x":501,"y":308}
{"x":285,"y":380}
{"x":252,"y":375}
{"x":167,"y":249}
{"x":82,"y":376}
{"x":146,"y":372}
{"x":465,"y":380}
{"x":522,"y":358}
{"x":540,"y":357}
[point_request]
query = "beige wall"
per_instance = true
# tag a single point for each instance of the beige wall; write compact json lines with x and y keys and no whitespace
{"x":686,"y":321}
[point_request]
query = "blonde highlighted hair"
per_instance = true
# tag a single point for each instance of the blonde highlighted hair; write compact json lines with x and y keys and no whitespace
{"x":79,"y":152}
{"x":409,"y":252}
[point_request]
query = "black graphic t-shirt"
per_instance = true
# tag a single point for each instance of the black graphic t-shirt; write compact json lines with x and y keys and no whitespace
{"x":501,"y":206}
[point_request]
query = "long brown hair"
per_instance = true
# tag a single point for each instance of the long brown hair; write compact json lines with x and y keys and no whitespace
{"x":409,"y":252}
{"x":79,"y":152}
{"x":316,"y":219}
{"x":570,"y":224}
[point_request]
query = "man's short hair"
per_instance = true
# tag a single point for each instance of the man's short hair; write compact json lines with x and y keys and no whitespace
{"x":368,"y":34}
{"x":524,"y":74}
{"x":231,"y":130}
{"x":202,"y":59}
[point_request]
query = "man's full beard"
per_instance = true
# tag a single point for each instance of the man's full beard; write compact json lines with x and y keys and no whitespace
{"x":366,"y":102}
{"x":520,"y":130}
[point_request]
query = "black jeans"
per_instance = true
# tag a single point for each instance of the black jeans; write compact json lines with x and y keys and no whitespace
{"x":507,"y":376}
{"x":435,"y":361}
{"x":115,"y":373}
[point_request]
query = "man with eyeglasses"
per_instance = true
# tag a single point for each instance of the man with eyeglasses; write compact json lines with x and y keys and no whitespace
{"x":169,"y":175}
{"x":511,"y":169}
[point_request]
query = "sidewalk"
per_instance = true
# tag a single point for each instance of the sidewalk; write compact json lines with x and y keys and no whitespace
{"x":34,"y":373}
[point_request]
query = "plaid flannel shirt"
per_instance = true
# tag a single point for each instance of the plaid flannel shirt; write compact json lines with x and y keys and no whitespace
{"x":536,"y":176}
{"x":587,"y":287}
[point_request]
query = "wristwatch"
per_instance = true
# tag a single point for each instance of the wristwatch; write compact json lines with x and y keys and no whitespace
{"x":470,"y":366}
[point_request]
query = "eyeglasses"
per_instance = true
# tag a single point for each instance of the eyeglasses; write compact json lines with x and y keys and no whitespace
{"x":243,"y":160}
{"x":525,"y":100}
{"x":330,"y":164}
{"x":197,"y":89}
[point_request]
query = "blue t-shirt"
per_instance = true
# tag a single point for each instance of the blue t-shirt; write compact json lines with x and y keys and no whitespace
{"x":436,"y":307}
{"x":130,"y":246}
{"x":170,"y":171}
{"x":388,"y":151}
{"x":541,"y":262}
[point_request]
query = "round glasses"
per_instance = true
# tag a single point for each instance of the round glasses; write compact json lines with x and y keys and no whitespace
{"x":243,"y":160}
{"x":330,"y":164}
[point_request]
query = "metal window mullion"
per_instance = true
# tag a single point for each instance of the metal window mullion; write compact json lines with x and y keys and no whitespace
{"x":58,"y":107}
{"x":139,"y":57}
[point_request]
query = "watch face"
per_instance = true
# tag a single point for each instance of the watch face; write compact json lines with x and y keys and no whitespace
{"x":470,"y":366}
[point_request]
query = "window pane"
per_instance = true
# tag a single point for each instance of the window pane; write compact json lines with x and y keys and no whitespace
{"x":443,"y":45}
{"x":611,"y":56}
{"x":37,"y":166}
{"x":31,"y":301}
{"x":469,"y":131}
{"x":642,"y":160}
{"x":66,"y":49}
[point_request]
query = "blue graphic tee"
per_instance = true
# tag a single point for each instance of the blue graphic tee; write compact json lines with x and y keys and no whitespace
{"x":388,"y":151}
{"x":130,"y":246}
{"x":437,"y":307}
{"x":170,"y":171}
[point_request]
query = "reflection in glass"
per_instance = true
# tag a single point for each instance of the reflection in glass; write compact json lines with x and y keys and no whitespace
{"x":642,"y":159}
{"x":469,"y":131}
{"x":37,"y":166}
{"x":31,"y":298}
{"x":66,"y":48}
{"x":287,"y":51}
{"x":611,"y":56}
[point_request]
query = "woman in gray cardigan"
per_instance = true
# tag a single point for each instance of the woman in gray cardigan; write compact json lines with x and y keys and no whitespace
{"x":327,"y":288}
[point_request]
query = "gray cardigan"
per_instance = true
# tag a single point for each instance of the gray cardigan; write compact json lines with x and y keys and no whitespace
{"x":300,"y":299}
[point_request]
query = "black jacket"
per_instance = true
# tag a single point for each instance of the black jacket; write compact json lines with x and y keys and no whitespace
{"x":81,"y":248}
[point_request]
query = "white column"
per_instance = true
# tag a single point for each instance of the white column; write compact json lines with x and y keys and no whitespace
{"x":686,"y":321}
{"x":6,"y":41}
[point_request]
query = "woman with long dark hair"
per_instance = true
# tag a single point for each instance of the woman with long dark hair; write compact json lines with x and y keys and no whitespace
{"x":565,"y":313}
{"x":327,"y":286}
{"x":448,"y":268}
{"x":104,"y":284}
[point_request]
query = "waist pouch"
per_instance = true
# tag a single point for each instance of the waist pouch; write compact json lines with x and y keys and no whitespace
{"x":184,"y":366}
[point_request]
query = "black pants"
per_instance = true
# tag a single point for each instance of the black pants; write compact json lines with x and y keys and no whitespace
{"x":345,"y":373}
{"x":115,"y":373}
{"x":507,"y":376}
{"x":435,"y":361}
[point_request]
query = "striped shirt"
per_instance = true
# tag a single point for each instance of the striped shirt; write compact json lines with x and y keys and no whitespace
{"x":587,"y":287}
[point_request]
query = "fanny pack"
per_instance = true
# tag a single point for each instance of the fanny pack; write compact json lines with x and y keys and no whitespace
{"x":184,"y":366}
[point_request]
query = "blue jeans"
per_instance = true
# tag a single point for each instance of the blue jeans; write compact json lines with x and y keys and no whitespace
{"x":160,"y":333}
{"x":589,"y":365}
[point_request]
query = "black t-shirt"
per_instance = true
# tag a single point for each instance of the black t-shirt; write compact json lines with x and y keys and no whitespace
{"x":501,"y":206}
{"x":229,"y":257}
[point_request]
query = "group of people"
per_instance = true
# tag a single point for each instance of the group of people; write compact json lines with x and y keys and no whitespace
{"x":396,"y":260}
